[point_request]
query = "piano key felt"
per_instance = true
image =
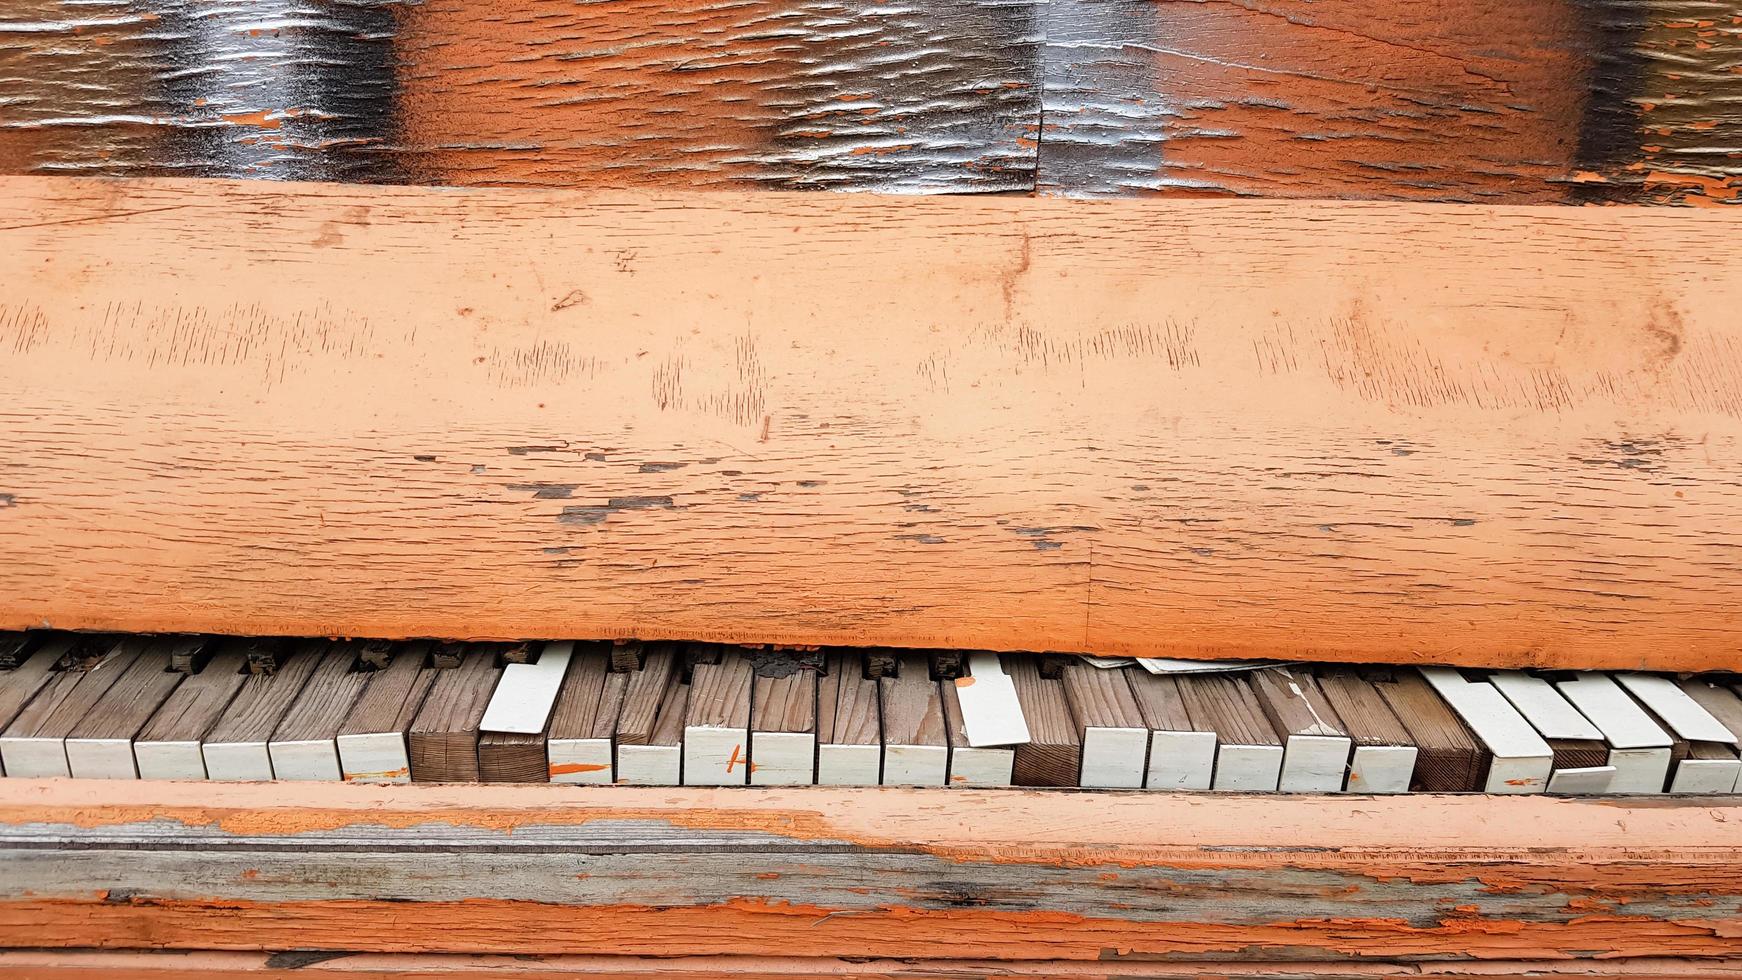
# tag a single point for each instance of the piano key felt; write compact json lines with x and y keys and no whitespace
{"x":716,"y":738}
{"x":1384,"y":755}
{"x":1316,"y":749}
{"x":168,"y":747}
{"x":1449,"y":759}
{"x":1181,"y":755}
{"x":1109,"y":725}
{"x":100,"y":745}
{"x":970,"y":765}
{"x":236,"y":747}
{"x":1053,"y":754}
{"x":1248,"y":748}
{"x":372,"y":740}
{"x":849,"y":724}
{"x":584,"y":719}
{"x":443,"y":739}
{"x":783,"y":730}
{"x":305,"y":745}
{"x":916,"y":749}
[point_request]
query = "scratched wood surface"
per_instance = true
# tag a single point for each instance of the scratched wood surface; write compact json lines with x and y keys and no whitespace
{"x":1325,"y":431}
{"x":1516,"y":101}
{"x":1105,"y":877}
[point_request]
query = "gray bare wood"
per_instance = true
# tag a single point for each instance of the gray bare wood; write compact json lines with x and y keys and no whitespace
{"x":37,"y":670}
{"x":785,"y":704}
{"x":582,"y":698}
{"x":1227,"y":705}
{"x":129,"y":704}
{"x":326,"y":699}
{"x":1449,"y":759}
{"x":253,"y":715}
{"x":1366,"y":718}
{"x":195,"y":705}
{"x":1100,"y":698}
{"x":673,"y":708}
{"x":720,"y":692}
{"x":912,"y":710}
{"x":646,"y":695}
{"x":1291,"y":699}
{"x":1158,"y":697}
{"x":1053,"y":754}
{"x":93,"y":683}
{"x":847,"y":709}
{"x":443,"y":740}
{"x":391,"y":699}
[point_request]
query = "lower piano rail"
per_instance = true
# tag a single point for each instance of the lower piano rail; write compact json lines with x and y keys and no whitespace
{"x":343,"y":880}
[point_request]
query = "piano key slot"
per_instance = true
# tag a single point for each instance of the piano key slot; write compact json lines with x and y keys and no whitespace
{"x":1449,"y":759}
{"x":584,"y":719}
{"x":37,"y":667}
{"x":1383,"y":756}
{"x":1182,"y":756}
{"x":372,"y":739}
{"x":716,"y":737}
{"x":511,"y":743}
{"x":168,"y":747}
{"x":1316,"y":749}
{"x":849,"y":724}
{"x":1519,"y":760}
{"x":1248,"y":749}
{"x":1703,"y":754}
{"x":100,"y":745}
{"x":1052,"y":756}
{"x":236,"y":749}
{"x":916,"y":749}
{"x":653,"y":756}
{"x":783,"y":730}
{"x":1109,"y":726}
{"x":305,"y":745}
{"x":35,"y":744}
{"x":1639,"y":750}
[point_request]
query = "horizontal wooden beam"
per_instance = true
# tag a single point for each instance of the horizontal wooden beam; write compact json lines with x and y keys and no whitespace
{"x":1336,"y":431}
{"x":828,"y":873}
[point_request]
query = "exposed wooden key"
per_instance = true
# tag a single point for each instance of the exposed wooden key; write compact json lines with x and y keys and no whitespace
{"x":716,"y":737}
{"x":1316,"y":750}
{"x":1053,"y":754}
{"x":585,"y":718}
{"x":305,"y":745}
{"x":37,"y":668}
{"x":168,"y":747}
{"x":100,"y":745}
{"x":1449,"y":759}
{"x":1383,"y":760}
{"x":372,"y":739}
{"x":916,"y":749}
{"x":849,"y":724}
{"x":654,"y":756}
{"x":443,"y":740}
{"x":511,"y":743}
{"x":1249,"y":750}
{"x":783,"y":730}
{"x":41,"y":751}
{"x":1519,"y":760}
{"x":236,"y":747}
{"x":1182,"y":755}
{"x":972,"y":765}
{"x":1109,"y":725}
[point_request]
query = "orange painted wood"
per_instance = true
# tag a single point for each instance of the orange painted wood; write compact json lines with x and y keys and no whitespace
{"x":829,"y":873}
{"x":90,"y":965}
{"x":1373,"y":432}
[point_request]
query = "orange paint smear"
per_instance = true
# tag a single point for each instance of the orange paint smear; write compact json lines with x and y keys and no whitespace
{"x":570,"y":768}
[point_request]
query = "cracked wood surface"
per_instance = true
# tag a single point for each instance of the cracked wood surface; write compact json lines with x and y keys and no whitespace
{"x":1318,"y":431}
{"x":1005,"y":875}
{"x":1505,"y":101}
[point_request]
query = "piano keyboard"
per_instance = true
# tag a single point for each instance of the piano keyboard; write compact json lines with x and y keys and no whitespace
{"x":130,"y":707}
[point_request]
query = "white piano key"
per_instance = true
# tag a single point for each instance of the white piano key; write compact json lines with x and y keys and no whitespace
{"x":169,"y":760}
{"x":1181,"y":760}
{"x":981,"y":767}
{"x":783,"y":759}
{"x":1591,"y":781}
{"x":1522,"y":761}
{"x":715,"y":756}
{"x":850,"y":765}
{"x":1638,"y":749}
{"x":101,"y":758}
{"x":991,"y":714}
{"x":305,"y":759}
{"x":524,"y":695}
{"x":650,"y":765}
{"x":1670,"y":703}
{"x":915,"y":765}
{"x":580,"y":760}
{"x":1113,"y":758}
{"x":1314,"y":764}
{"x":1706,"y":776}
{"x":28,"y":757}
{"x":237,"y":761}
{"x":374,"y":757}
{"x":1381,"y":769}
{"x":1541,"y":705}
{"x":1248,"y":768}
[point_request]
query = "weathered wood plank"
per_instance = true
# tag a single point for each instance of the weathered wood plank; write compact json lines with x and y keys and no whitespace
{"x":1377,"y":421}
{"x":863,"y":872}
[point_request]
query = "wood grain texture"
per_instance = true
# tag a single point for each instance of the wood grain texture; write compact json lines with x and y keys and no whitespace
{"x":1053,"y":754}
{"x":394,"y":694}
{"x":862,"y":422}
{"x":645,"y":694}
{"x":443,"y":739}
{"x":1449,"y":757}
{"x":871,"y":873}
{"x":847,"y":710}
{"x":196,"y":704}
